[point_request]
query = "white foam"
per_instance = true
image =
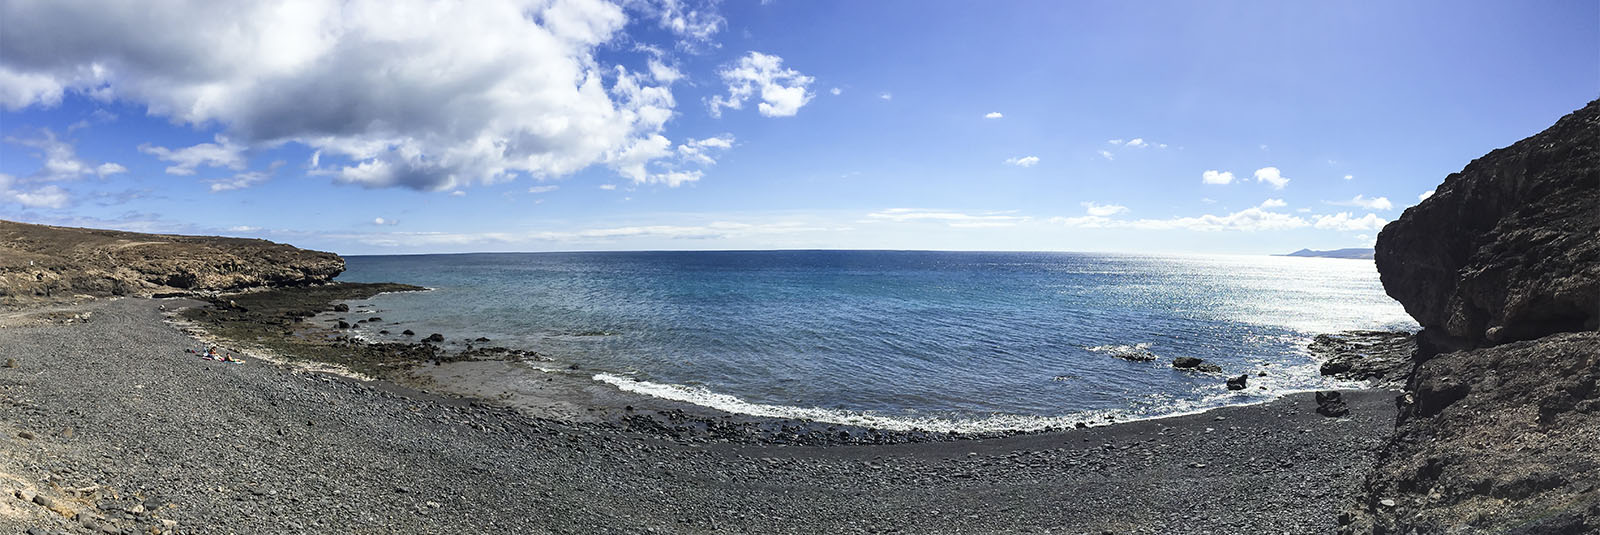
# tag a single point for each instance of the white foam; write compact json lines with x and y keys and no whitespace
{"x":987,"y":424}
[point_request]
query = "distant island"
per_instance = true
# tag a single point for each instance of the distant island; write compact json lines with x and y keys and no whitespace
{"x":1355,"y":253}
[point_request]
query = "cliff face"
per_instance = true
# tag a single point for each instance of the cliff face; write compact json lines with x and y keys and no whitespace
{"x":1507,"y":249}
{"x":1497,"y":430}
{"x":39,"y":262}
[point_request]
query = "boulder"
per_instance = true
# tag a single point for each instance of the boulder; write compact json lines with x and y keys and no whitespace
{"x":1238,"y":383}
{"x":341,"y":307}
{"x":435,"y":338}
{"x":1330,"y":403}
{"x":1184,"y":363}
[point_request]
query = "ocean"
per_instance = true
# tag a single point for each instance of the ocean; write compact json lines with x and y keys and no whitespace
{"x":962,"y":341}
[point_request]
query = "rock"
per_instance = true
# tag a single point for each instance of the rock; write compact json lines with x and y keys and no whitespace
{"x":43,"y":500}
{"x":481,"y":339}
{"x":1184,"y":363}
{"x":383,"y":331}
{"x":11,"y":363}
{"x":25,"y":435}
{"x":343,"y":325}
{"x":1206,"y":367}
{"x":408,"y":332}
{"x":1378,"y":357}
{"x":341,"y":307}
{"x":1330,"y":403}
{"x":374,"y":319}
{"x":1238,"y":383}
{"x":65,"y":261}
{"x":1504,"y":250}
{"x":435,"y":338}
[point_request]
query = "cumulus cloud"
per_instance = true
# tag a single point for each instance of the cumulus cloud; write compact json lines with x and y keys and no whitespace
{"x":12,"y":191}
{"x":993,"y":115}
{"x":381,"y":221}
{"x":696,"y":23}
{"x":222,"y":153}
{"x":1273,"y":203}
{"x":1272,"y":175}
{"x":886,"y":96}
{"x":1137,"y":143}
{"x":1348,"y":177}
{"x":836,"y":91}
{"x":1216,"y":177}
{"x":391,"y":92}
{"x":1345,"y":221}
{"x":1424,"y":195}
{"x":700,"y":150}
{"x":953,"y":219}
{"x":58,"y":159}
{"x":1103,"y":210}
{"x":782,"y":91}
{"x":1107,"y":154}
{"x":1380,"y":203}
{"x":1025,"y":161}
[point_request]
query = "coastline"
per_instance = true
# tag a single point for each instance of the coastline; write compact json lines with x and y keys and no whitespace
{"x":298,"y":450}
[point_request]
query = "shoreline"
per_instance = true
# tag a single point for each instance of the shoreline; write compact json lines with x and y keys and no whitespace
{"x":265,"y":447}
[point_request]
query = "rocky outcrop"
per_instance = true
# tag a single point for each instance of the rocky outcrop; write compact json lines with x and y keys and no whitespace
{"x":1501,"y":266}
{"x":1380,"y":358}
{"x":1507,"y":249}
{"x":1494,"y":440}
{"x":39,"y":263}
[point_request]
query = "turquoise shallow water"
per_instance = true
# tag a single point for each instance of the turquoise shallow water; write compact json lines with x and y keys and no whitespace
{"x":939,"y":340}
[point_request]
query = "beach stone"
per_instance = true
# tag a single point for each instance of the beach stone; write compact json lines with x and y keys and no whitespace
{"x":408,"y":332}
{"x":344,"y":324}
{"x":435,"y":338}
{"x":1330,"y":403}
{"x":341,"y":307}
{"x":25,"y":435}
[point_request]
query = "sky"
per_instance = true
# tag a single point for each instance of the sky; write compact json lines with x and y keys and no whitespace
{"x":401,"y":126}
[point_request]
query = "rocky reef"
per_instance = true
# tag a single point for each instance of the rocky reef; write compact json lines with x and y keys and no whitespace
{"x":1501,"y":266}
{"x":41,"y":263}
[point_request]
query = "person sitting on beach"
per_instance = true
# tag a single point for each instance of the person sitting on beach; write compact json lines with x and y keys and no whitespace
{"x":211,"y":354}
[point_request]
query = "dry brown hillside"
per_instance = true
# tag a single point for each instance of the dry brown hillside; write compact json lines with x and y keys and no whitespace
{"x":44,"y":263}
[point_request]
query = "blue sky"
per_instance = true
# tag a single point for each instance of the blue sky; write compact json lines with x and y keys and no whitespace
{"x":411,"y":127}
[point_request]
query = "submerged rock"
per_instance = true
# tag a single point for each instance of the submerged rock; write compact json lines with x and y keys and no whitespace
{"x":1184,"y":363}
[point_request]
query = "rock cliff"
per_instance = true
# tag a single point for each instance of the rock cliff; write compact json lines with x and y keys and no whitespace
{"x":1507,"y":249}
{"x":41,"y":263}
{"x":1501,"y":266}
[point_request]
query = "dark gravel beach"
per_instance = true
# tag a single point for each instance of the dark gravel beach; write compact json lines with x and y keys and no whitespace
{"x":117,"y":429}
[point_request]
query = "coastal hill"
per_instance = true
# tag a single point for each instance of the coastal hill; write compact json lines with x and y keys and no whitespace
{"x":1355,"y":253}
{"x":1501,"y":267}
{"x":41,"y":263}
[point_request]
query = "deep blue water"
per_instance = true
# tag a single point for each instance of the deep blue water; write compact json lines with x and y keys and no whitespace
{"x":937,"y":339}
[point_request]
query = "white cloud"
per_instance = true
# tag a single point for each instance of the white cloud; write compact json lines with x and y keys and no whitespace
{"x":1137,"y":143}
{"x":782,"y":91}
{"x":1025,"y":161}
{"x":109,"y":169}
{"x":953,"y":219}
{"x":1114,"y":141}
{"x":699,"y":150}
{"x":1107,"y":154}
{"x":245,"y":228}
{"x":392,"y":92}
{"x":1348,"y":177}
{"x":608,"y":187}
{"x":1216,"y":177}
{"x":886,"y":96}
{"x":223,"y":153}
{"x":1103,"y":210}
{"x":836,"y":91}
{"x":713,"y":230}
{"x":1424,"y":195}
{"x":1273,"y":203}
{"x":1344,"y":221}
{"x":1380,"y":203}
{"x":382,"y":221}
{"x":1249,"y":220}
{"x":543,"y":189}
{"x":58,"y":159}
{"x":695,"y":22}
{"x":1272,"y":175}
{"x":1208,"y":200}
{"x":13,"y":192}
{"x":245,"y":179}
{"x":993,"y":115}
{"x":458,"y":193}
